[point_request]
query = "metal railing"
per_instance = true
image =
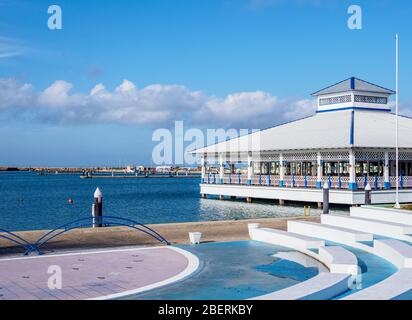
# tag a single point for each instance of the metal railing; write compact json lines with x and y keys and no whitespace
{"x":334,"y":182}
{"x":104,"y":221}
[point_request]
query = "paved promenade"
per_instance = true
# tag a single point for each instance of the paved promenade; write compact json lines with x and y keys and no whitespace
{"x":92,"y":274}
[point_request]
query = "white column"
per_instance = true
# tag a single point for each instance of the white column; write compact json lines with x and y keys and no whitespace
{"x":281,"y":170}
{"x":221,"y":169}
{"x":386,"y":179}
{"x":249,"y":169}
{"x":319,"y":171}
{"x":203,"y":169}
{"x":352,"y":171}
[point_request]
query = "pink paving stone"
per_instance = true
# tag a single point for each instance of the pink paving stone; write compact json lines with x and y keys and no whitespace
{"x":89,"y":275}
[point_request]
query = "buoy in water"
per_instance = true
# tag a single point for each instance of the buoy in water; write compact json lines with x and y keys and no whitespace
{"x":70,"y":201}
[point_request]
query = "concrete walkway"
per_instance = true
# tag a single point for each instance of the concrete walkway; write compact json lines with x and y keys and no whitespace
{"x":94,"y":274}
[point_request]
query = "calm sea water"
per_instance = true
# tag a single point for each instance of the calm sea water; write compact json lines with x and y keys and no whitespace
{"x":29,"y":201}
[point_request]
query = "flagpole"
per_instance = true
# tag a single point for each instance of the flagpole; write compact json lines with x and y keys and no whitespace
{"x":397,"y":205}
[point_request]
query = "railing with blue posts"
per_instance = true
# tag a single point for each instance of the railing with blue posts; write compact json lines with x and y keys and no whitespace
{"x":375,"y":182}
{"x":238,"y":178}
{"x":329,"y":182}
{"x":208,"y":178}
{"x":365,"y":181}
{"x":260,"y":179}
{"x":214,"y":178}
{"x":230,"y":178}
{"x":339,"y":182}
{"x":305,"y":181}
{"x":293,"y":181}
{"x":401,"y":182}
{"x":269,"y":179}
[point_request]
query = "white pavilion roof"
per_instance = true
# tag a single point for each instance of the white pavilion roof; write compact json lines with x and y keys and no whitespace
{"x":329,"y":130}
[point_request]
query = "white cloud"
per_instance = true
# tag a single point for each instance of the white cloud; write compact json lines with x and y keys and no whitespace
{"x":10,"y":48}
{"x":154,"y":105}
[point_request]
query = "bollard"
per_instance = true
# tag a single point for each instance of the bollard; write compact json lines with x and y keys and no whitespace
{"x":368,"y":198}
{"x":326,"y":198}
{"x":97,"y":209}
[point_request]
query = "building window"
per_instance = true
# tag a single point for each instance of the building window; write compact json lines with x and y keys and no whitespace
{"x":370,"y":99}
{"x":335,"y":100}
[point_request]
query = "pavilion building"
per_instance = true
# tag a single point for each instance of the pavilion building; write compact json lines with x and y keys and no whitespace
{"x":348,"y":143}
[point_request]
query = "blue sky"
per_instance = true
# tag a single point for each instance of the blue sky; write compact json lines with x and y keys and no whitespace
{"x":93,"y":92}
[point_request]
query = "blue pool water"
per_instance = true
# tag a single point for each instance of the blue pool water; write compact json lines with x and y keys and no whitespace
{"x":29,"y":201}
{"x":234,"y":270}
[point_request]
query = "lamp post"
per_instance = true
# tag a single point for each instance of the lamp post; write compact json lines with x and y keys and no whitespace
{"x":397,"y":205}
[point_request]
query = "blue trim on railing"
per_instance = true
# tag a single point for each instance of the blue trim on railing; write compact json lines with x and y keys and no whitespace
{"x":365,"y":181}
{"x":319,"y":184}
{"x":238,"y":178}
{"x":220,"y":180}
{"x":293,"y":181}
{"x":352,"y":186}
{"x":386,"y":185}
{"x":249,"y":182}
{"x":375,"y":182}
{"x":280,"y":183}
{"x":260,"y":179}
{"x":305,"y":181}
{"x":339,"y":182}
{"x":268,"y":179}
{"x":329,"y":182}
{"x":401,"y":182}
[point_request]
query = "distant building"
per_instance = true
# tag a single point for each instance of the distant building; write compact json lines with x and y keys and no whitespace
{"x":163,"y":169}
{"x":348,"y":143}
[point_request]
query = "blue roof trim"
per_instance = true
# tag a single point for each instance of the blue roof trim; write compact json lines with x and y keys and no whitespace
{"x":352,"y":83}
{"x":352,"y":129}
{"x":353,"y":108}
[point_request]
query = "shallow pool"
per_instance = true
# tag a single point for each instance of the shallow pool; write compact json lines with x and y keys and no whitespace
{"x":238,"y":270}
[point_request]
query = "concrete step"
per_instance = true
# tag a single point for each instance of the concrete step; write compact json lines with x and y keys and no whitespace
{"x":286,"y":239}
{"x":328,"y":232}
{"x":390,"y":288}
{"x":388,"y":229}
{"x":324,"y":286}
{"x":398,"y":252}
{"x":382,"y":214}
{"x":339,"y":260}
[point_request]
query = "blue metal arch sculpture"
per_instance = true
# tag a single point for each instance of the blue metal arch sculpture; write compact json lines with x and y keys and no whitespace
{"x":8,"y":235}
{"x":105,"y":221}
